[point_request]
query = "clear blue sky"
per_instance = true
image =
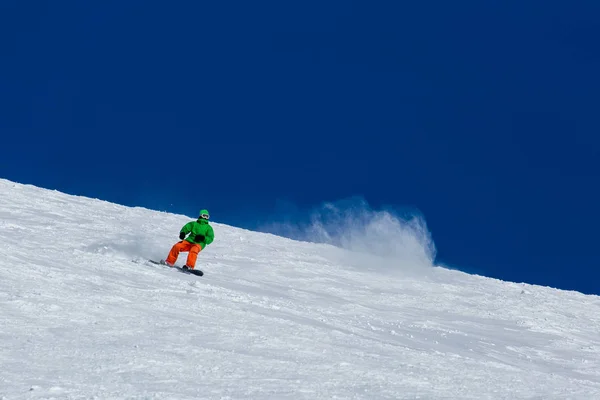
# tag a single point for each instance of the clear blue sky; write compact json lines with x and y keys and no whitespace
{"x":484,"y":115}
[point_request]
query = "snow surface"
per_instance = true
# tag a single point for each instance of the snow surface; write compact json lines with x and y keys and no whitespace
{"x":82,"y":316}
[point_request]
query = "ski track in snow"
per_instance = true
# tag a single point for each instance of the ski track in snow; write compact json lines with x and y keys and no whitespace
{"x":83,"y":317}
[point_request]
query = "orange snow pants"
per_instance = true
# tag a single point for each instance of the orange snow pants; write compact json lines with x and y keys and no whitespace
{"x":184,"y":246}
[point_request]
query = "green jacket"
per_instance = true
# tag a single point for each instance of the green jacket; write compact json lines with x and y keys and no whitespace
{"x":199,"y":227}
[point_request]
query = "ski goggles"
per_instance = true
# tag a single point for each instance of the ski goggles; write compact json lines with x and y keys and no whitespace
{"x":204,"y":216}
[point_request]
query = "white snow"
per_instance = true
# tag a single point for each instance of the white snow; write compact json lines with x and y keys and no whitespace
{"x":82,"y":317}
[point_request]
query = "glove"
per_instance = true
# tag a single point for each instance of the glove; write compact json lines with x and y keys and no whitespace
{"x":200,"y":238}
{"x":181,"y":235}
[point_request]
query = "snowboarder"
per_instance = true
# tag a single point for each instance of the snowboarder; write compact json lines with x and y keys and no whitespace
{"x":199,"y":235}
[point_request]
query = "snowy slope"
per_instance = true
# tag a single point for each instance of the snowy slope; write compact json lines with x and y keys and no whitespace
{"x":82,"y":317}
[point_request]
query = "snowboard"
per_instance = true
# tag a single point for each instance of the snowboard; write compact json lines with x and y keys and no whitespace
{"x":188,"y":271}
